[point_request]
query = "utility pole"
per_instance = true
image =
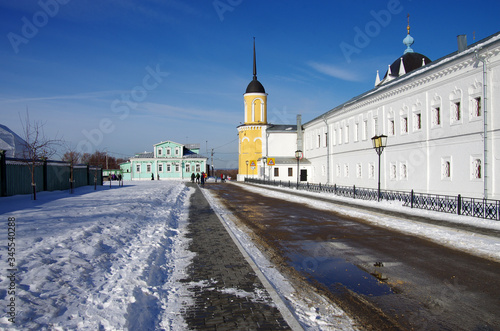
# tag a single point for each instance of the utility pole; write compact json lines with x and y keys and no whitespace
{"x":212,"y":162}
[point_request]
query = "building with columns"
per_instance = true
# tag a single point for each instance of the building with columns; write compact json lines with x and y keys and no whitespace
{"x":440,"y":117}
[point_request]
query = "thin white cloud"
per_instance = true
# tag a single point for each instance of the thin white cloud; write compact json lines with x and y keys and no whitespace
{"x":78,"y":96}
{"x":189,"y":114}
{"x":334,"y":71}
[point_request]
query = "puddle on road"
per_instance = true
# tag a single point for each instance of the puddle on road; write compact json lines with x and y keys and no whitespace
{"x":332,"y":271}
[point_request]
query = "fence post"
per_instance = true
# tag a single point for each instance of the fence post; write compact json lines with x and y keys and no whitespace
{"x":88,"y":174}
{"x":459,"y":204}
{"x":354,"y":191}
{"x":335,"y":189}
{"x":3,"y":174}
{"x":45,"y":175}
{"x":411,"y":199}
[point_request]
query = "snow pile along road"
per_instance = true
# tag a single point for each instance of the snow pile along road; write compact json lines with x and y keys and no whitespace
{"x":105,"y":259}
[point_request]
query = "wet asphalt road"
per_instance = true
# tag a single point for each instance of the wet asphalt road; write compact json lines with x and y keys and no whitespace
{"x":384,"y":279}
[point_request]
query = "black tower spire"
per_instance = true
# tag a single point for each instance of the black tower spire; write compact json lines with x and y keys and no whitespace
{"x":255,"y":86}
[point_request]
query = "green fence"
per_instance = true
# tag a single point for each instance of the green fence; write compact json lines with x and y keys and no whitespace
{"x":15,"y":176}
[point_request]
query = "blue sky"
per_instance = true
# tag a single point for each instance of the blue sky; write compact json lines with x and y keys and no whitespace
{"x":122,"y":75}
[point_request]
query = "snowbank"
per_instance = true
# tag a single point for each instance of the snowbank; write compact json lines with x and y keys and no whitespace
{"x":107,"y":259}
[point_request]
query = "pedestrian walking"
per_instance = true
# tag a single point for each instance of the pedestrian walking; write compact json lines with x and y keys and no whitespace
{"x":198,"y":178}
{"x":193,"y":176}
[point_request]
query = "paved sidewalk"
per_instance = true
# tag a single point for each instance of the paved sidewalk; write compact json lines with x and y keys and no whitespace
{"x":228,"y":295}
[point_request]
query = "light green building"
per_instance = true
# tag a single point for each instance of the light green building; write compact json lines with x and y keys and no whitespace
{"x":169,"y":160}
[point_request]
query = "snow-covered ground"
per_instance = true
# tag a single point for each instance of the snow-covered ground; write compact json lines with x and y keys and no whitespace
{"x":97,"y":260}
{"x":112,"y":259}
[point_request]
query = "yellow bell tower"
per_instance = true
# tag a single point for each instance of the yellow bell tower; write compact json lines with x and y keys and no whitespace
{"x":252,"y":133}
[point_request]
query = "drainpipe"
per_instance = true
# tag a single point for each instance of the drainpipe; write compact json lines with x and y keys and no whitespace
{"x":485,"y":127}
{"x":327,"y":152}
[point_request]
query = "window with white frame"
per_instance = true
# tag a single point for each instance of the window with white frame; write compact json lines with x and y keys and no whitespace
{"x":417,"y":121}
{"x":169,"y":167}
{"x":318,"y":144}
{"x":188,"y":167}
{"x":476,"y":168}
{"x":148,"y":168}
{"x":137,"y":168}
{"x":436,"y":116}
{"x":404,"y":124}
{"x":371,"y":170}
{"x":356,"y":132}
{"x":334,"y":137}
{"x":392,"y":171}
{"x":290,"y":172}
{"x":475,"y":109}
{"x":177,"y":151}
{"x":391,"y":128}
{"x":445,"y":168}
{"x":326,"y":138}
{"x":455,"y":112}
{"x":346,"y":170}
{"x":359,"y":170}
{"x":160,"y":167}
{"x":347,"y":134}
{"x":177,"y":167}
{"x":364,"y":135}
{"x":198,"y":167}
{"x":375,"y":126}
{"x":338,"y":170}
{"x":159,"y":151}
{"x":340,"y":135}
{"x":403,"y":171}
{"x":168,"y":151}
{"x":276,"y":172}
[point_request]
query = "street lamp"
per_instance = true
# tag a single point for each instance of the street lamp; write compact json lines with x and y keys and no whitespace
{"x":298,"y":156}
{"x":264,"y":162}
{"x":247,"y":167}
{"x":379,"y":143}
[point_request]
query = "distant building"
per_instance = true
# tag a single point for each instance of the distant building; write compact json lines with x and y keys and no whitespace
{"x":440,"y":118}
{"x":11,"y":143}
{"x":168,"y":160}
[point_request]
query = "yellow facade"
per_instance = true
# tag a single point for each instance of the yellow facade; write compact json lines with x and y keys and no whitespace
{"x":255,"y":108}
{"x":251,"y":133}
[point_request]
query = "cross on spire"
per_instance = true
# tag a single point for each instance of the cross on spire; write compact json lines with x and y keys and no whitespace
{"x":408,"y":27}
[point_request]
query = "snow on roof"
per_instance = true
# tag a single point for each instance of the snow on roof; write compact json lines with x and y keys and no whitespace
{"x":11,"y":142}
{"x":471,"y":49}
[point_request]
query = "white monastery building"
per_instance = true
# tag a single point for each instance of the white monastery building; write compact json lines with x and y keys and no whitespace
{"x":441,"y":119}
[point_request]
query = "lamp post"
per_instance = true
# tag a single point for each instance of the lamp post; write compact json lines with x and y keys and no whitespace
{"x":264,"y":162}
{"x":379,"y":143}
{"x":298,"y":156}
{"x":247,"y":168}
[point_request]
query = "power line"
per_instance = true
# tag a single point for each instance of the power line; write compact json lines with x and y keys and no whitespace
{"x":226,"y":144}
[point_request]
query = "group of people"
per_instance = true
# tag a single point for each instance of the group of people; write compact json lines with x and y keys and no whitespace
{"x":201,"y":179}
{"x":115,"y":177}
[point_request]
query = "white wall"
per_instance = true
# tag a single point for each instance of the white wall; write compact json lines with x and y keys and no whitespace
{"x":422,"y":152}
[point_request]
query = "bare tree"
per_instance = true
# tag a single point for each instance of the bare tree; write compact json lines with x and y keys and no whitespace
{"x":73,"y":157}
{"x":37,"y":148}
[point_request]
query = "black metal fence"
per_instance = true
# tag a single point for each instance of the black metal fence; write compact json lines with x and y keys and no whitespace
{"x":482,"y":208}
{"x":15,"y":176}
